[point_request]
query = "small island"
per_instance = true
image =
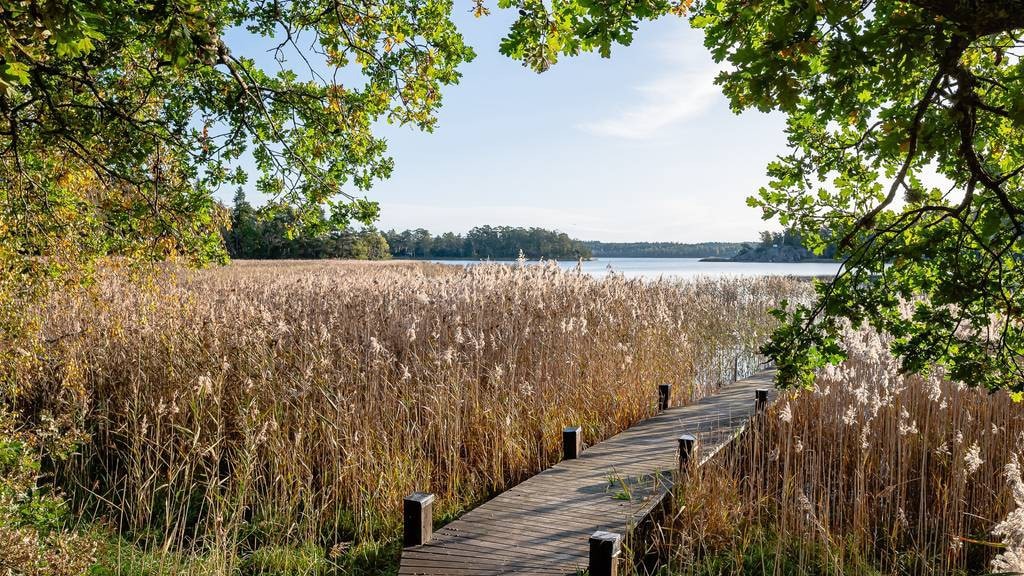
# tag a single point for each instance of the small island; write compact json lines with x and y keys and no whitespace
{"x":785,"y":247}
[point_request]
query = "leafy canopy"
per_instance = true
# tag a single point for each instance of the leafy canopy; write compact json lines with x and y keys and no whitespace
{"x":120,"y":119}
{"x":884,"y":99}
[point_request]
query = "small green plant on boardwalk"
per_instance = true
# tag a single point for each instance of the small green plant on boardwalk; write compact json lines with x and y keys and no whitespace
{"x":619,"y":486}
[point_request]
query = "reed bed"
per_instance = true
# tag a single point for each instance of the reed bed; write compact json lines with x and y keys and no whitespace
{"x":232,"y":413}
{"x":871,"y":472}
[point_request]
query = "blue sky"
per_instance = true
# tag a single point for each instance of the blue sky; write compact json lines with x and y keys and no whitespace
{"x":639,"y":147}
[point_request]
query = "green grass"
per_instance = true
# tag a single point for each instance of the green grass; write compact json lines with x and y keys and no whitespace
{"x":121,"y":558}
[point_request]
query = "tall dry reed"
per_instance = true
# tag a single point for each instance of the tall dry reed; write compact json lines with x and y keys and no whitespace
{"x":269,"y":404}
{"x":871,"y":472}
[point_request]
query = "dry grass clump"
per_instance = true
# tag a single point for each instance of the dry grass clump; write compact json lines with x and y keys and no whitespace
{"x":871,"y":472}
{"x":281,"y":404}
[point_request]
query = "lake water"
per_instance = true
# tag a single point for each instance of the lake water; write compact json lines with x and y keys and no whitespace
{"x":687,"y":267}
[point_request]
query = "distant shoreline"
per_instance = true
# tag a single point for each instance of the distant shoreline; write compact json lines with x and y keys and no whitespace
{"x":765,"y":261}
{"x":460,"y":259}
{"x":708,"y":259}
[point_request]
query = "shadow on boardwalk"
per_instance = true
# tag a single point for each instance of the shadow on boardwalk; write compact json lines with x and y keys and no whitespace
{"x":542,"y":525}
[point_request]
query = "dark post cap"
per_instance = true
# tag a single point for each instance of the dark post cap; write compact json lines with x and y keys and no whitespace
{"x":609,"y":539}
{"x":420,"y":497}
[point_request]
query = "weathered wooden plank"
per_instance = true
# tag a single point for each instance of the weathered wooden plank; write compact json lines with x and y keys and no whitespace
{"x":542,"y":525}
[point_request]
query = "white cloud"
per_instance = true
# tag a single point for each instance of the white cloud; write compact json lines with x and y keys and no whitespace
{"x":685,"y":90}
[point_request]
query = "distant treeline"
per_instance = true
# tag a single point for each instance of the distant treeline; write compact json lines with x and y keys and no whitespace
{"x":255,"y":236}
{"x":662,"y":249}
{"x":252,"y":237}
{"x":487,"y":243}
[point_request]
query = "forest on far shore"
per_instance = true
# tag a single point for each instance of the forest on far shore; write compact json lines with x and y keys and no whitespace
{"x":664,"y":249}
{"x":253,"y":236}
{"x":487,"y":243}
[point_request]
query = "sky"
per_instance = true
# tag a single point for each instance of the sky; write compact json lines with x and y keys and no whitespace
{"x":638,"y":147}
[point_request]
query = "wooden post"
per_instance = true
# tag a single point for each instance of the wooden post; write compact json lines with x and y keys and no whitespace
{"x":418,"y":510}
{"x":572,"y":442}
{"x":760,"y":399}
{"x":605,"y":548}
{"x":686,"y":447}
{"x":664,"y":396}
{"x":736,"y":369}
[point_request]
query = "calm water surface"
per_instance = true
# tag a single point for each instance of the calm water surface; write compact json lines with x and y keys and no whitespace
{"x":686,"y":267}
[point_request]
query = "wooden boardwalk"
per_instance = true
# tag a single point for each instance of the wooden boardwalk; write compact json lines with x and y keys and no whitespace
{"x":543,"y":525}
